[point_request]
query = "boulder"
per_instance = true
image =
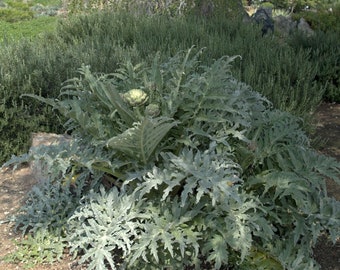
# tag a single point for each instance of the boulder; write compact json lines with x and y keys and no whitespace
{"x":285,"y":25}
{"x":304,"y":27}
{"x":263,"y":17}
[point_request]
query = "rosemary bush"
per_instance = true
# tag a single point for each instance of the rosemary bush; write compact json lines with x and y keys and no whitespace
{"x":323,"y":46}
{"x":172,"y":7}
{"x":186,"y":167}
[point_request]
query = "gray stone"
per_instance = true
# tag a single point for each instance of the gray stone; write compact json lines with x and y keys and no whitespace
{"x":304,"y":27}
{"x":263,"y":17}
{"x":285,"y":25}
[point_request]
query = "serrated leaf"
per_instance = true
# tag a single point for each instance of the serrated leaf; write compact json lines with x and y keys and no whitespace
{"x":153,"y":246}
{"x":219,"y":251}
{"x":168,"y":243}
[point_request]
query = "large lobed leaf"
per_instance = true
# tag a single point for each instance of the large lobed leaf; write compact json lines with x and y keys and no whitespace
{"x":141,"y":140}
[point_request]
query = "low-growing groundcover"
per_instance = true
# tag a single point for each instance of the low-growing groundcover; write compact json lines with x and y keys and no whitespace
{"x":179,"y":165}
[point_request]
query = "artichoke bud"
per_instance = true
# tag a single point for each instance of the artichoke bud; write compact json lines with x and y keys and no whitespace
{"x":152,"y":110}
{"x":135,"y":97}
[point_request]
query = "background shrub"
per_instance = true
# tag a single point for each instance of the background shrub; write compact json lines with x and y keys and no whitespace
{"x":12,"y":15}
{"x":14,"y":11}
{"x":324,"y":53}
{"x":324,"y":20}
{"x":40,"y":67}
{"x":11,"y":32}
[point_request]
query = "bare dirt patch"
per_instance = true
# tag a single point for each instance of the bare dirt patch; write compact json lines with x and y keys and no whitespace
{"x":14,"y":186}
{"x":328,"y":128}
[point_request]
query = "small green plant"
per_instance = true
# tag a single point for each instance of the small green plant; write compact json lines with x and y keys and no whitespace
{"x":12,"y":15}
{"x":15,"y":11}
{"x":280,"y":12}
{"x":42,"y":247}
{"x":12,"y":32}
{"x":46,"y":2}
{"x":213,"y":177}
{"x":18,"y":5}
{"x":267,"y":5}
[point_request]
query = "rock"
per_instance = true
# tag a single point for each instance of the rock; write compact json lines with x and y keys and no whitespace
{"x":304,"y":27}
{"x":206,"y":8}
{"x":263,"y":16}
{"x":284,"y":25}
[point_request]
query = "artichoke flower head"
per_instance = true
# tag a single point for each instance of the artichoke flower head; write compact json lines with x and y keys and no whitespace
{"x":135,"y":97}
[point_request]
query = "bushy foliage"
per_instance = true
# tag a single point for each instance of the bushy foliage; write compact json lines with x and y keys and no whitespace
{"x":11,"y":32}
{"x":286,"y":76}
{"x":49,"y":204}
{"x":19,"y":74}
{"x":208,"y":176}
{"x":11,"y":15}
{"x":292,"y":5}
{"x":110,"y":223}
{"x":206,"y":8}
{"x":320,"y":45}
{"x":15,"y":11}
{"x":43,"y":247}
{"x":322,"y":20}
{"x":172,"y":7}
{"x":40,"y":67}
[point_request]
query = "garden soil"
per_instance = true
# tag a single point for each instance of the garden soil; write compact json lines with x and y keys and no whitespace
{"x":15,"y":185}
